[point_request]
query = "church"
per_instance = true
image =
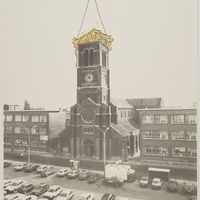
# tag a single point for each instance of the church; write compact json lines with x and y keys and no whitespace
{"x":97,"y":130}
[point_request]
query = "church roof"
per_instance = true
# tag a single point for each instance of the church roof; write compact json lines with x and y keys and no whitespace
{"x":94,"y":36}
{"x":146,"y":102}
{"x":124,"y":128}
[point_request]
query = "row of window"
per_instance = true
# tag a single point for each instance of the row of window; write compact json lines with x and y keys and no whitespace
{"x":175,"y":135}
{"x":174,"y":119}
{"x":22,"y":130}
{"x":25,"y":118}
{"x":125,"y":114}
{"x":88,"y":129}
{"x":89,"y":58}
{"x":24,"y":143}
{"x":176,"y":151}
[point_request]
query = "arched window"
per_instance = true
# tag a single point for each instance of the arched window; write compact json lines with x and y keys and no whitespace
{"x":104,"y":58}
{"x":86,"y":62}
{"x":91,"y":57}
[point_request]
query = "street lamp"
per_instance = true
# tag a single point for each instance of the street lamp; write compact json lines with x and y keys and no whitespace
{"x":29,"y":140}
{"x":104,"y":146}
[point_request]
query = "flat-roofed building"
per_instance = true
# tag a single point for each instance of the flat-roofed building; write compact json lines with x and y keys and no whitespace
{"x":168,"y":134}
{"x":18,"y":124}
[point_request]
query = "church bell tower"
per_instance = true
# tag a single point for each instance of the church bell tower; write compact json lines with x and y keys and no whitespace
{"x":92,"y":114}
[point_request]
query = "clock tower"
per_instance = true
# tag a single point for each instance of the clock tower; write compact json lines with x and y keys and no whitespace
{"x":93,"y":112}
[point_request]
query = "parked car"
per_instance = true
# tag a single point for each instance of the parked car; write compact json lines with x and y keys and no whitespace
{"x":66,"y":195}
{"x":73,"y":173}
{"x":108,"y":196}
{"x":20,"y":166}
{"x":157,"y":183}
{"x":53,"y":191}
{"x":31,"y":167}
{"x":47,"y":172}
{"x":93,"y":178}
{"x":41,"y":168}
{"x":14,"y":186}
{"x":25,"y":188}
{"x":6,"y":164}
{"x":87,"y":196}
{"x":15,"y":196}
{"x":113,"y":181}
{"x":144,"y":181}
{"x":27,"y":197}
{"x":7,"y":182}
{"x":63,"y":172}
{"x":31,"y":197}
{"x":40,"y":189}
{"x":188,"y":188}
{"x":84,"y":174}
{"x":172,"y":186}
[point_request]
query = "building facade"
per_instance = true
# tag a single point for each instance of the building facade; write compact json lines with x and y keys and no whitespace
{"x":168,"y":135}
{"x":19,"y":125}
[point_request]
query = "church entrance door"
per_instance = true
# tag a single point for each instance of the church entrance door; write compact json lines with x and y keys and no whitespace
{"x":88,"y":148}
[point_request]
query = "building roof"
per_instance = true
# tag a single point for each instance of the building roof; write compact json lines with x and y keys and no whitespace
{"x":153,"y":169}
{"x":31,"y":111}
{"x":121,"y":103}
{"x":124,"y":127}
{"x":166,"y":108}
{"x":146,"y":102}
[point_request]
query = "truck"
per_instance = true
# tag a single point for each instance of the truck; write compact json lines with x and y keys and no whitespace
{"x":116,"y":174}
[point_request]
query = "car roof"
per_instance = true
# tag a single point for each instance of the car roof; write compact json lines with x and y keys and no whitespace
{"x":156,"y":179}
{"x":42,"y":184}
{"x":18,"y":181}
{"x":85,"y":194}
{"x":54,"y":186}
{"x":63,"y":169}
{"x":67,"y":191}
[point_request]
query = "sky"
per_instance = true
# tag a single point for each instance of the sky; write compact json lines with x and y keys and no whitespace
{"x":154,"y":52}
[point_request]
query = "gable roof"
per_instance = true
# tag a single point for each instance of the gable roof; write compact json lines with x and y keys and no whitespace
{"x":121,"y":103}
{"x":146,"y":102}
{"x":124,"y":128}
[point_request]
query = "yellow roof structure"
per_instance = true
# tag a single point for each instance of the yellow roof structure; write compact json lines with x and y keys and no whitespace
{"x":94,"y":36}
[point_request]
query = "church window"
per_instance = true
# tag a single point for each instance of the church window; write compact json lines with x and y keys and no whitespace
{"x":91,"y":57}
{"x":86,"y":54}
{"x":104,"y":58}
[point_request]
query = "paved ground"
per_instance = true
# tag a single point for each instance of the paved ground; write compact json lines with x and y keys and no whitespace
{"x":130,"y":190}
{"x":177,"y":172}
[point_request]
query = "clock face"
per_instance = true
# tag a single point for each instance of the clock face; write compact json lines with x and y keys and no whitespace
{"x":89,"y":77}
{"x":87,"y":114}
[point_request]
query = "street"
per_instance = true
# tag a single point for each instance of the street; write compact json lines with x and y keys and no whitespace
{"x":129,"y":190}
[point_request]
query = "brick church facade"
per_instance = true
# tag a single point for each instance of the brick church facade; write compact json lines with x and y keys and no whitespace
{"x":94,"y":115}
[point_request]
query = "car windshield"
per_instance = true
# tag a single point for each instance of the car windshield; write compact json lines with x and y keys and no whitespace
{"x":156,"y":181}
{"x":172,"y":182}
{"x":14,"y":184}
{"x":52,"y":190}
{"x":144,"y":178}
{"x":63,"y":195}
{"x":39,"y":187}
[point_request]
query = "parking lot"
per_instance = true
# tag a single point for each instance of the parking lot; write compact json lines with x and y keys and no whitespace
{"x":129,"y":190}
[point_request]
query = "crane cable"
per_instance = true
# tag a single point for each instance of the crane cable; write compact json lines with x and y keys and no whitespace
{"x":83,"y":18}
{"x":87,"y":5}
{"x":100,"y":16}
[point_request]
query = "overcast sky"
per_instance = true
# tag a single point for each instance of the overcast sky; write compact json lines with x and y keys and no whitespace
{"x":154,"y":50}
